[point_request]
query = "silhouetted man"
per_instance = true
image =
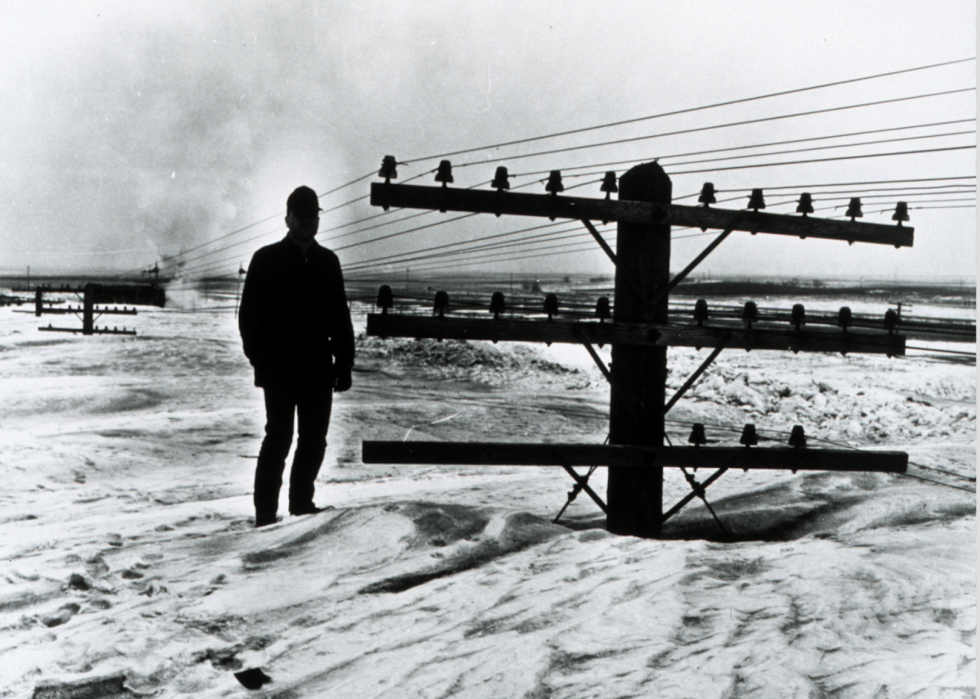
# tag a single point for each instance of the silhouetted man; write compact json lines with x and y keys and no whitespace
{"x":296,"y":331}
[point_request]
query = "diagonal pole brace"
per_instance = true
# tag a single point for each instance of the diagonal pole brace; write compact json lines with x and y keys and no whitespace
{"x":726,"y":338}
{"x":572,"y":494}
{"x":694,"y":263}
{"x":690,"y":496}
{"x":620,"y":393}
{"x":599,"y":239}
{"x":634,"y":287}
{"x":581,"y":483}
{"x":699,"y":492}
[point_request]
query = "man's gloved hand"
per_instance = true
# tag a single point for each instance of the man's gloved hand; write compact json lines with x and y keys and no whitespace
{"x":343,"y":381}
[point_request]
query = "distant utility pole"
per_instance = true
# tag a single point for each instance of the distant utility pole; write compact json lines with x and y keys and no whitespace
{"x":88,"y":310}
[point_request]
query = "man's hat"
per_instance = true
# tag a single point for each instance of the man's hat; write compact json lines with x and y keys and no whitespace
{"x":303,"y":201}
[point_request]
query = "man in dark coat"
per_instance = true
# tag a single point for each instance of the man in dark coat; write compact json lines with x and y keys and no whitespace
{"x":296,"y":331}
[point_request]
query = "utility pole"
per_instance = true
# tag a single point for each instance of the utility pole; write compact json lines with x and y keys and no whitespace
{"x":91,"y":295}
{"x":88,"y":308}
{"x":639,"y":374}
{"x":639,"y":335}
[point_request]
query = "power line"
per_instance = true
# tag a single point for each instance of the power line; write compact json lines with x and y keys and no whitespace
{"x":386,"y":213}
{"x":787,"y":152}
{"x":815,"y":148}
{"x":380,"y":238}
{"x":759,"y":145}
{"x":414,"y":256}
{"x":718,"y":126}
{"x":940,"y":470}
{"x":482,"y":260}
{"x":532,"y":240}
{"x":797,"y":90}
{"x":394,"y":258}
{"x":477,"y":243}
{"x":892,"y":191}
{"x":859,"y":184}
{"x":186,"y":260}
{"x":459,"y":243}
{"x":411,"y":230}
{"x":479,"y":251}
{"x":929,"y":480}
{"x":256,"y":223}
{"x":693,"y":109}
{"x":826,"y":160}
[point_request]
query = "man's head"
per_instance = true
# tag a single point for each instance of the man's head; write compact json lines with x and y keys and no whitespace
{"x":303,"y":215}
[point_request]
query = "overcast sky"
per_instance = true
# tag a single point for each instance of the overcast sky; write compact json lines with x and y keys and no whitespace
{"x":131,"y":131}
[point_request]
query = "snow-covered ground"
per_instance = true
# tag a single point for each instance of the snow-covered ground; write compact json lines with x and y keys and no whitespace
{"x":129,"y":564}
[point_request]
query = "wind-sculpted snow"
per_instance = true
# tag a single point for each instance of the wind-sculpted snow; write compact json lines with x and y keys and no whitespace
{"x":480,"y":362}
{"x":415,"y":598}
{"x":131,"y":566}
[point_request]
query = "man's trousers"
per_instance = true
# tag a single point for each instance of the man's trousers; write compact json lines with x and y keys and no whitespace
{"x":311,"y":406}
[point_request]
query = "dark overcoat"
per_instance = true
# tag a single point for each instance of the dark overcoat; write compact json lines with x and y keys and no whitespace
{"x":294,"y":319}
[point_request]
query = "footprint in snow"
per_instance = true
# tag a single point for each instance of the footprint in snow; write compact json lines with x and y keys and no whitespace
{"x":61,"y":616}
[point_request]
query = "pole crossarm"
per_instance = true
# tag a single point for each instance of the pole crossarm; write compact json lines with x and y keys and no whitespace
{"x":67,"y":310}
{"x":94,"y":331}
{"x":409,"y":196}
{"x":813,"y":339}
{"x":567,"y":455}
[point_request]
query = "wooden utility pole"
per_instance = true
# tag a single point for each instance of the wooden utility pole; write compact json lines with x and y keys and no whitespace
{"x":639,"y":335}
{"x":88,"y":310}
{"x":639,"y":374}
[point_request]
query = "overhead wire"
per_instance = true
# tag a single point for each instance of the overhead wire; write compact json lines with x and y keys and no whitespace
{"x":701,"y":129}
{"x":394,"y":257}
{"x":649,"y":117}
{"x":481,"y":253}
{"x":485,"y":256}
{"x":815,"y":148}
{"x":185,"y":261}
{"x":633,"y":161}
{"x":422,"y":213}
{"x":716,"y":126}
{"x":400,"y":233}
{"x":826,"y":160}
{"x":472,"y":243}
{"x":256,"y":223}
{"x":690,"y":110}
{"x":469,"y":246}
{"x":772,"y":188}
{"x":400,"y":258}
